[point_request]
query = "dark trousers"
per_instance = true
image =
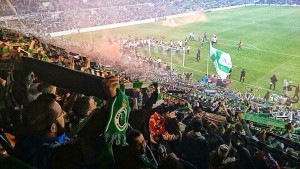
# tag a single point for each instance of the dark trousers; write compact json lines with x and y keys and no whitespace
{"x":242,"y":78}
{"x":272,"y":84}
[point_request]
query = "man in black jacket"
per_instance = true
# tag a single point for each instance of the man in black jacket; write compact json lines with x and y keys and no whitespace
{"x":243,"y":74}
{"x":136,"y":155}
{"x":273,"y":82}
{"x":195,"y":147}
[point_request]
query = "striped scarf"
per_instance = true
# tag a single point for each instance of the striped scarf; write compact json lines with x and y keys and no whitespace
{"x":115,"y":131}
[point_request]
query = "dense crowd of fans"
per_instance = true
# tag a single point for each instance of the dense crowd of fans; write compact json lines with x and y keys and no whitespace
{"x":196,"y":125}
{"x":51,"y":118}
{"x":278,"y":2}
{"x":40,"y":17}
{"x":53,"y":16}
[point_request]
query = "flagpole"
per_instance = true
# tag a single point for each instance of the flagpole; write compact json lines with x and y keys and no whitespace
{"x":207,"y":64}
{"x":171,"y":62}
{"x":183,"y":57}
{"x":208,"y":56}
{"x":208,"y":59}
{"x":207,"y":69}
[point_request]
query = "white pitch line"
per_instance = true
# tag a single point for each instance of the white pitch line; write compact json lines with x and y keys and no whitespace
{"x":244,"y":43}
{"x":189,"y":68}
{"x":278,"y":53}
{"x":267,"y":51}
{"x":258,"y":87}
{"x":252,"y":46}
{"x":233,"y":66}
{"x":236,"y":47}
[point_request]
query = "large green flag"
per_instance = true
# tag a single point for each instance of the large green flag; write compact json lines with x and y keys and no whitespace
{"x":221,"y":61}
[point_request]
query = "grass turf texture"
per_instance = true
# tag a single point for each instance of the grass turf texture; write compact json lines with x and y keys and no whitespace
{"x":270,"y":36}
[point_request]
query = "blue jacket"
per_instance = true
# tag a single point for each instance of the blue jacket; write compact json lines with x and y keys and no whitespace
{"x":37,"y":152}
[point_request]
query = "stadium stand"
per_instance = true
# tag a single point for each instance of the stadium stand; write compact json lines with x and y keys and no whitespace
{"x":53,"y":16}
{"x":217,"y":119}
{"x":56,"y":98}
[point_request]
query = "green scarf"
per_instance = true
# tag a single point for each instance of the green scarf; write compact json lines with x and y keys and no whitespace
{"x":115,"y":131}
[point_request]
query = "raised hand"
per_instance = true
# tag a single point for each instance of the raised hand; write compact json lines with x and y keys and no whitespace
{"x":111,"y":84}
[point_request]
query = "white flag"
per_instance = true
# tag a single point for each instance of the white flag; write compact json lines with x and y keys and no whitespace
{"x":221,"y":61}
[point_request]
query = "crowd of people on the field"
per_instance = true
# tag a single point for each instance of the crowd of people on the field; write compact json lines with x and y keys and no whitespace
{"x":193,"y":126}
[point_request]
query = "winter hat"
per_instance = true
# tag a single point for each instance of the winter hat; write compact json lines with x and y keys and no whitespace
{"x":223,"y":150}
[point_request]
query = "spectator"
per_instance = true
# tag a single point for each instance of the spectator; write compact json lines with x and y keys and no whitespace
{"x":267,"y":96}
{"x":42,"y":142}
{"x":193,"y":143}
{"x":44,"y":123}
{"x":212,"y":138}
{"x":273,"y":82}
{"x":180,"y":118}
{"x":82,"y":109}
{"x":173,"y":162}
{"x":136,"y":154}
{"x":172,"y":127}
{"x":217,"y":157}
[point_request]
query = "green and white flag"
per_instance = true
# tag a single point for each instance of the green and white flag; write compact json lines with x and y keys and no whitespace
{"x":159,"y":100}
{"x":135,"y":85}
{"x":221,"y":61}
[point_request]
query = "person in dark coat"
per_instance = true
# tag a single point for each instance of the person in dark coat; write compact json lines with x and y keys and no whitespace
{"x":136,"y":155}
{"x":195,"y":147}
{"x":273,"y":82}
{"x":243,"y":74}
{"x":198,"y":55}
{"x":212,"y":138}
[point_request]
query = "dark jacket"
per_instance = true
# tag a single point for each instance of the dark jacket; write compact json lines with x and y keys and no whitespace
{"x":59,"y":152}
{"x":244,"y":158}
{"x":40,"y":153}
{"x":195,"y":150}
{"x":214,"y":141}
{"x":273,"y":79}
{"x":126,"y":159}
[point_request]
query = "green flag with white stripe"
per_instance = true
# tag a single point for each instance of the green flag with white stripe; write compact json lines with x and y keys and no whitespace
{"x":221,"y":61}
{"x":134,"y":85}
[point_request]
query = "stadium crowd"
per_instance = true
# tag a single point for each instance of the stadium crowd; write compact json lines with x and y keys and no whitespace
{"x":67,"y":105}
{"x":278,"y":2}
{"x":50,"y":118}
{"x":40,"y":17}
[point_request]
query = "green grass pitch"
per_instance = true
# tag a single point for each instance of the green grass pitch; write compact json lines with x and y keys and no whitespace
{"x":270,"y":36}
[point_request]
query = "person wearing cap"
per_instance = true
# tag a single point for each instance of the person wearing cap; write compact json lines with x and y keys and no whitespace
{"x":242,"y":153}
{"x":217,"y":156}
